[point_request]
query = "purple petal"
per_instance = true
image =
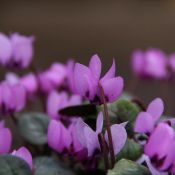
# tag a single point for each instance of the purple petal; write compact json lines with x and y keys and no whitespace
{"x":99,"y":124}
{"x":156,"y":108}
{"x":144,"y":123}
{"x":119,"y":137}
{"x":138,"y":62}
{"x":81,"y":73}
{"x":95,"y":66}
{"x":111,"y":72}
{"x":53,"y":105}
{"x":12,"y":78}
{"x":22,"y":49}
{"x":66,"y":139}
{"x":92,"y":143}
{"x":5,"y":140}
{"x":54,"y":136}
{"x":80,"y":125}
{"x":25,"y":155}
{"x":113,"y":88}
{"x":5,"y":49}
{"x":19,"y":94}
{"x":162,"y":131}
{"x":30,"y":83}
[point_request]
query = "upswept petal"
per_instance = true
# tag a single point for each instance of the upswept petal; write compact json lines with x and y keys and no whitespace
{"x":144,"y":123}
{"x":156,"y":108}
{"x":95,"y":66}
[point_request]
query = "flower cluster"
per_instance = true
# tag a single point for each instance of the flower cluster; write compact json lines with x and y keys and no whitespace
{"x":153,"y":63}
{"x":16,"y":50}
{"x":161,"y":137}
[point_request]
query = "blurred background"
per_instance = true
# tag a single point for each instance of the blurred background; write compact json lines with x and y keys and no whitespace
{"x":78,"y":29}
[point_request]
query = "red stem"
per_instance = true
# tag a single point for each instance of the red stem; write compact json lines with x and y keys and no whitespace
{"x":107,"y":120}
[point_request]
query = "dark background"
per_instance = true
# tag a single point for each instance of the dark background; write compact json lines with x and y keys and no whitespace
{"x":79,"y":28}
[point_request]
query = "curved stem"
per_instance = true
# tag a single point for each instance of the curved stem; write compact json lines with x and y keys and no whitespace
{"x":107,"y":120}
{"x":104,"y":150}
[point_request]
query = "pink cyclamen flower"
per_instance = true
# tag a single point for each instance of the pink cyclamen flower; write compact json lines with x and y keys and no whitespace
{"x":52,"y":78}
{"x":57,"y":101}
{"x":5,"y":138}
{"x":89,"y":138}
{"x":16,"y":50}
{"x":24,"y":154}
{"x":29,"y":81}
{"x":12,"y":97}
{"x":87,"y":81}
{"x":160,"y":147}
{"x":59,"y":137}
{"x":150,"y":64}
{"x":146,"y":121}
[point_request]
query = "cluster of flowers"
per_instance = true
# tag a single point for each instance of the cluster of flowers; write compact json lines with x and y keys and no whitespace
{"x":153,"y":64}
{"x":73,"y":137}
{"x":159,"y":147}
{"x":72,"y":84}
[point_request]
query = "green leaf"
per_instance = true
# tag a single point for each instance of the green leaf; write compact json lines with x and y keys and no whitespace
{"x":12,"y":165}
{"x":131,"y":150}
{"x":79,"y":110}
{"x":50,"y":166}
{"x":128,"y":167}
{"x":122,"y":111}
{"x":33,"y":127}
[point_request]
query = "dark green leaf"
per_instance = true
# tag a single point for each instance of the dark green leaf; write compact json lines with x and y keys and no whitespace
{"x":33,"y":127}
{"x":12,"y":165}
{"x":79,"y":110}
{"x":122,"y":111}
{"x":128,"y":167}
{"x":131,"y":151}
{"x":50,"y":166}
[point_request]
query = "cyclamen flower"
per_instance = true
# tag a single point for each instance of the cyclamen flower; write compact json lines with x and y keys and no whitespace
{"x":57,"y":101}
{"x":89,"y":138}
{"x":5,"y":138}
{"x":52,"y":78}
{"x":16,"y":50}
{"x":12,"y":97}
{"x":160,"y":148}
{"x":29,"y":81}
{"x":146,"y":121}
{"x":24,"y":154}
{"x":172,"y":62}
{"x":87,"y":82}
{"x":150,"y":64}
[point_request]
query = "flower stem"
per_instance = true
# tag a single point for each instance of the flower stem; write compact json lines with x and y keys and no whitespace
{"x":107,"y":120}
{"x":104,"y":150}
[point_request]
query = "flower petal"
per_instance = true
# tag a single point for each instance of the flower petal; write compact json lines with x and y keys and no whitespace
{"x":81,"y":73}
{"x":162,"y":131}
{"x":119,"y":137}
{"x":5,"y":140}
{"x":80,"y":125}
{"x":99,"y":124}
{"x":95,"y":66}
{"x":144,"y":123}
{"x":54,"y":136}
{"x":156,"y":108}
{"x":111,"y":72}
{"x":113,"y":88}
{"x":5,"y":49}
{"x":92,"y":143}
{"x":25,"y":155}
